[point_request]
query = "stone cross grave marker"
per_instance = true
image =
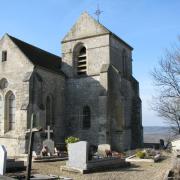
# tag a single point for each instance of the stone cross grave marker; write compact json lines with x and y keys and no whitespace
{"x":3,"y":159}
{"x":31,"y":132}
{"x":78,"y":155}
{"x":49,"y":142}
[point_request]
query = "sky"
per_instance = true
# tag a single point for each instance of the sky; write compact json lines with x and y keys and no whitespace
{"x":149,"y":26}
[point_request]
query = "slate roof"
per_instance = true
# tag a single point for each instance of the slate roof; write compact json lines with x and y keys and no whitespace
{"x":38,"y":56}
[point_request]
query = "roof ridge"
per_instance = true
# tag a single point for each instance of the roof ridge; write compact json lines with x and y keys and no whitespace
{"x":38,"y":56}
{"x":14,"y":38}
{"x":98,"y":22}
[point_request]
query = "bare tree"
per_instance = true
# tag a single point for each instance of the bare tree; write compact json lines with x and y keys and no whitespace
{"x":167,"y":78}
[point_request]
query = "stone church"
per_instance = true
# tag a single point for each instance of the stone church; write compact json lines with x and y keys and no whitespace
{"x":89,"y":92}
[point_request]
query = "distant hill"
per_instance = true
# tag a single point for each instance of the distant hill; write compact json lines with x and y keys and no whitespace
{"x":152,"y":134}
{"x":156,"y":130}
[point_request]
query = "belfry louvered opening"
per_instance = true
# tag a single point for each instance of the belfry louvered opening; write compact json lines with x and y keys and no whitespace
{"x":81,"y":62}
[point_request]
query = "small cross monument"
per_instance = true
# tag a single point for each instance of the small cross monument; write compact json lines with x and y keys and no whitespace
{"x":49,"y":131}
{"x":49,"y":143}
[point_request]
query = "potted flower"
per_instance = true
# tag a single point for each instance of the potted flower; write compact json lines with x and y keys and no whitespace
{"x":69,"y":141}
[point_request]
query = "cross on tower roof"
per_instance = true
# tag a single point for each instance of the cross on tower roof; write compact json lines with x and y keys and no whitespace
{"x":48,"y":131}
{"x":98,"y":12}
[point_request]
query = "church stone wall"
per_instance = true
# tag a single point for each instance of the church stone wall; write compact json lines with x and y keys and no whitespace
{"x":90,"y":90}
{"x":79,"y":93}
{"x":97,"y":54}
{"x":53,"y":85}
{"x":109,"y":90}
{"x":117,"y":48}
{"x":121,"y":95}
{"x":119,"y":111}
{"x":111,"y":100}
{"x":14,"y":70}
{"x":136,"y":113}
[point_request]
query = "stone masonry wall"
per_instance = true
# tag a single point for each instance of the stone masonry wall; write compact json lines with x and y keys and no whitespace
{"x":120,"y":95}
{"x":14,"y":71}
{"x":79,"y":93}
{"x":90,"y":90}
{"x":97,"y":54}
{"x":53,"y":85}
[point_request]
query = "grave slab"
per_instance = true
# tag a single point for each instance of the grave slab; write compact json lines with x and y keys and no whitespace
{"x":6,"y":178}
{"x":78,"y":155}
{"x":3,"y":159}
{"x":15,"y":165}
{"x":43,"y":177}
{"x":133,"y":158}
{"x":78,"y":160}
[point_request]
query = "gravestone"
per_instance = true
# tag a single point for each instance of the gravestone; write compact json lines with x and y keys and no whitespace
{"x":102,"y":148}
{"x":78,"y":155}
{"x":49,"y":142}
{"x":78,"y":159}
{"x":3,"y":159}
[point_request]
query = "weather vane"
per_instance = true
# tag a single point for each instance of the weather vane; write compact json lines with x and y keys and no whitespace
{"x":98,"y":12}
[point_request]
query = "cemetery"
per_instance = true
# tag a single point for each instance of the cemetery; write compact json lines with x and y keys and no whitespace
{"x":81,"y":158}
{"x":49,"y":152}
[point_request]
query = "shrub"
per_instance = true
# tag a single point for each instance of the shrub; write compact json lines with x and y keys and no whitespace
{"x":71,"y":139}
{"x":140,"y":154}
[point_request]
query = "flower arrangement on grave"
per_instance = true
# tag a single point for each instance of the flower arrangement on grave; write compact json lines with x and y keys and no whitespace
{"x":148,"y":154}
{"x":141,"y":154}
{"x":71,"y":139}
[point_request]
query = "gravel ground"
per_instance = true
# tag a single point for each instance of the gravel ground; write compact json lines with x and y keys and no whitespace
{"x":137,"y":171}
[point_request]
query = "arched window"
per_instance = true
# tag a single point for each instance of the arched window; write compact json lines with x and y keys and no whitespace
{"x":81,"y":61}
{"x":3,"y":83}
{"x":49,"y":114}
{"x":1,"y":110}
{"x":124,"y":63}
{"x":10,"y":111}
{"x":86,"y":117}
{"x":37,"y":92}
